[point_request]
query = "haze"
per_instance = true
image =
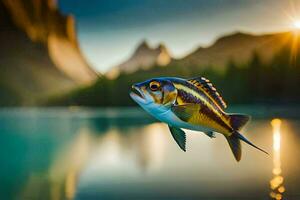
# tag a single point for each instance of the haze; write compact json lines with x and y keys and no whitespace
{"x":109,"y":30}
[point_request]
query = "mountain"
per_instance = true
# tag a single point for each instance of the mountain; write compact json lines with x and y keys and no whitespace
{"x":237,"y":47}
{"x":39,"y":52}
{"x":143,"y":58}
{"x":269,"y":76}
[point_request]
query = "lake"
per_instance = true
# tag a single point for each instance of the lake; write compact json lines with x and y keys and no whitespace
{"x":85,"y":153}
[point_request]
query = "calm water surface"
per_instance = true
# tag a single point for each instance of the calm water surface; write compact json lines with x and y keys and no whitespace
{"x":125,"y":154}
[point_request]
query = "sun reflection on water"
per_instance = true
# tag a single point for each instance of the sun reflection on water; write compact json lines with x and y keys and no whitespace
{"x":276,"y":183}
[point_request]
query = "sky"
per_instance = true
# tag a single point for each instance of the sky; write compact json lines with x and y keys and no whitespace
{"x":109,"y":30}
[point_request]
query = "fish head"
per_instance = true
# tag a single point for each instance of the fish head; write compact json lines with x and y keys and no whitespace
{"x":155,"y":94}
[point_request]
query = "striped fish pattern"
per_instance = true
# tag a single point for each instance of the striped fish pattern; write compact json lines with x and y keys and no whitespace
{"x":210,"y":113}
{"x":191,"y":104}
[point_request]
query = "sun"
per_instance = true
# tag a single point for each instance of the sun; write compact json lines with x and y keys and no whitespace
{"x":296,"y":24}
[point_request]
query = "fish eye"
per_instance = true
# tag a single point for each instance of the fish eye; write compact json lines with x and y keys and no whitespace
{"x":154,"y":85}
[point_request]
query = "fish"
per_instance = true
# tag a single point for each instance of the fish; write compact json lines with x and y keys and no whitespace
{"x":192,"y":104}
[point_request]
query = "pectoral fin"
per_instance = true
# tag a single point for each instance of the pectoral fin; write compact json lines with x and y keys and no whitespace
{"x":185,"y":111}
{"x":179,"y":136}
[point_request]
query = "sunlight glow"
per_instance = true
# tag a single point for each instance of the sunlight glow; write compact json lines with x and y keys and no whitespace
{"x":296,"y":24}
{"x":276,"y":184}
{"x":276,"y":134}
{"x":294,"y":21}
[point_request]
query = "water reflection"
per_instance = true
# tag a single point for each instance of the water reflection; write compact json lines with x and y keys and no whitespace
{"x":152,"y":147}
{"x":107,"y":156}
{"x":93,"y":152}
{"x":60,"y":179}
{"x":276,"y":183}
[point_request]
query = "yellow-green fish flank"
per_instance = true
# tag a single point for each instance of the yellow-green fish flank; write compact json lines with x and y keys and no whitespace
{"x":209,"y":114}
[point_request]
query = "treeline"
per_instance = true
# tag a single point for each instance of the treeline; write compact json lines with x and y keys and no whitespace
{"x":8,"y":95}
{"x":255,"y":82}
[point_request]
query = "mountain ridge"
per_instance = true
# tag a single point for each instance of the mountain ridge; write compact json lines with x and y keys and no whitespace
{"x":263,"y":69}
{"x":237,"y":47}
{"x":143,"y":57}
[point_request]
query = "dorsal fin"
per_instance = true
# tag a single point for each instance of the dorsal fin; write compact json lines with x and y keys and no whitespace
{"x":207,"y":87}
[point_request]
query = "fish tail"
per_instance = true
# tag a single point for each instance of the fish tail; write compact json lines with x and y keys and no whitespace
{"x":241,"y":137}
{"x":235,"y":144}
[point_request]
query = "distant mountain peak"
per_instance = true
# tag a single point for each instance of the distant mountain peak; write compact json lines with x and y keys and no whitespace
{"x":143,"y":57}
{"x":142,"y":46}
{"x":162,"y":47}
{"x":238,"y":46}
{"x":234,"y":37}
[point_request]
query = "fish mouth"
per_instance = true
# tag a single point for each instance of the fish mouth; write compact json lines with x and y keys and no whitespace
{"x":136,"y":93}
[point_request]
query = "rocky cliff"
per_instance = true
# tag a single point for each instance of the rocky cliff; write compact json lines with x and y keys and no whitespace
{"x":39,"y":53}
